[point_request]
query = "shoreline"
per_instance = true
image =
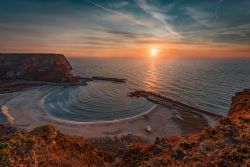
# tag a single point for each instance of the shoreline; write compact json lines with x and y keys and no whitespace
{"x":160,"y":99}
{"x":165,"y":101}
{"x":164,"y":121}
{"x":227,"y":143}
{"x":11,"y":86}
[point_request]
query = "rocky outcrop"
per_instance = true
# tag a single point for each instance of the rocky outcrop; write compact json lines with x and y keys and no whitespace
{"x":240,"y":102}
{"x":226,"y":145}
{"x":35,"y":67}
{"x":44,"y":146}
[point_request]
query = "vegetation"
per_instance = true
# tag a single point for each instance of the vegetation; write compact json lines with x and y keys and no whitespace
{"x":228,"y":144}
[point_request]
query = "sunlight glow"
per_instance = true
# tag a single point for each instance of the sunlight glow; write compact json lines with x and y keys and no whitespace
{"x":154,"y":52}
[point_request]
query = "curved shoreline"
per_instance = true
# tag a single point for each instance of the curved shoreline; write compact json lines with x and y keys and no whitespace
{"x":102,"y":122}
{"x":91,"y":122}
{"x":27,"y":109}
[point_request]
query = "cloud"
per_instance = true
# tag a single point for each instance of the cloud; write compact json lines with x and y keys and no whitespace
{"x":118,"y":4}
{"x":112,"y":37}
{"x":217,"y":9}
{"x":154,"y":12}
{"x":104,"y":8}
{"x":52,"y":26}
{"x":118,"y":16}
{"x":201,"y":17}
{"x":128,"y":34}
{"x":129,"y":19}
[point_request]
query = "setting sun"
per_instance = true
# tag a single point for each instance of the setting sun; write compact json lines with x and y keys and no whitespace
{"x":154,"y":52}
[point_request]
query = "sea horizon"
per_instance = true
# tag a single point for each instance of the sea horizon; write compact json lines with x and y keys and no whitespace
{"x":127,"y":83}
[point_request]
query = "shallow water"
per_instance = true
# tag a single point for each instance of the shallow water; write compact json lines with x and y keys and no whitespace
{"x":98,"y":101}
{"x":208,"y":84}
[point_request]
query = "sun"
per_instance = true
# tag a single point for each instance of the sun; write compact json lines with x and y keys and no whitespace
{"x":154,"y":52}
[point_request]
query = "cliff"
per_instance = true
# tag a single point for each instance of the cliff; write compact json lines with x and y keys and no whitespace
{"x":44,"y":146}
{"x":35,"y":67}
{"x":240,"y":102}
{"x":226,"y":145}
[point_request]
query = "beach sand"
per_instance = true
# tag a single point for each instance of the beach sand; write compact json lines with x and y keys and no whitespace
{"x":26,"y":110}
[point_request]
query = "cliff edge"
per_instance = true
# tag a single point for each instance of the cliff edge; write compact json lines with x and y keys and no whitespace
{"x":35,"y":67}
{"x":227,"y":145}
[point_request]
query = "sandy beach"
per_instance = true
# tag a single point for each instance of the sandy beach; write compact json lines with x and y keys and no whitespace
{"x":25,"y":109}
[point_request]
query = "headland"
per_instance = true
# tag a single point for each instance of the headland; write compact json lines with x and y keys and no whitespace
{"x":180,"y":135}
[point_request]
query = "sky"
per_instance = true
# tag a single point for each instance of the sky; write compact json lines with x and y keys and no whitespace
{"x":119,"y":28}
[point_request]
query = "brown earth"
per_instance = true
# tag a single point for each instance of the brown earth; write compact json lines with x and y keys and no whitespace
{"x":228,"y":144}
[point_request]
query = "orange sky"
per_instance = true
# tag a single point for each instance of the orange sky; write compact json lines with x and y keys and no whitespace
{"x":143,"y":50}
{"x":95,"y":28}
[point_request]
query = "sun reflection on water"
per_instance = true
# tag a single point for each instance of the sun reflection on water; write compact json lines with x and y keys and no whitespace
{"x":151,"y":77}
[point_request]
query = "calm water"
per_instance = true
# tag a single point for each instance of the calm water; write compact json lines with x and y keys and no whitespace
{"x":208,"y":84}
{"x":205,"y":83}
{"x":99,"y":101}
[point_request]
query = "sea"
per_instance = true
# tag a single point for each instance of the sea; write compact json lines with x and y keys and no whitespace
{"x":205,"y":83}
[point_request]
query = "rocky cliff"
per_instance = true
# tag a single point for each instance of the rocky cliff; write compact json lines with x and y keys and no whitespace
{"x":240,"y":102}
{"x":35,"y":67}
{"x":226,"y":145}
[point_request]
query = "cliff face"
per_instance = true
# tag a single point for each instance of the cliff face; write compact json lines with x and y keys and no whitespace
{"x":240,"y":102}
{"x":226,"y":145}
{"x":35,"y":67}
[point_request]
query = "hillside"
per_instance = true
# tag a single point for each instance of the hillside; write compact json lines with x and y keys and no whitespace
{"x":228,"y":144}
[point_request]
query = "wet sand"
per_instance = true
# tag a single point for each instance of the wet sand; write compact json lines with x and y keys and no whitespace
{"x":26,"y":110}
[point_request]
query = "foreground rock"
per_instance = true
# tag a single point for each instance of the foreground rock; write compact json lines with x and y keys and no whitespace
{"x":44,"y":146}
{"x":227,"y":145}
{"x":35,"y":67}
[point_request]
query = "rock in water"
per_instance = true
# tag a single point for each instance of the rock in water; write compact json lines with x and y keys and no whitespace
{"x":35,"y":67}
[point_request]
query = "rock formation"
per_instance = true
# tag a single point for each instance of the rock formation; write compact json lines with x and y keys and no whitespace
{"x":35,"y":67}
{"x":226,"y":145}
{"x":44,"y":146}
